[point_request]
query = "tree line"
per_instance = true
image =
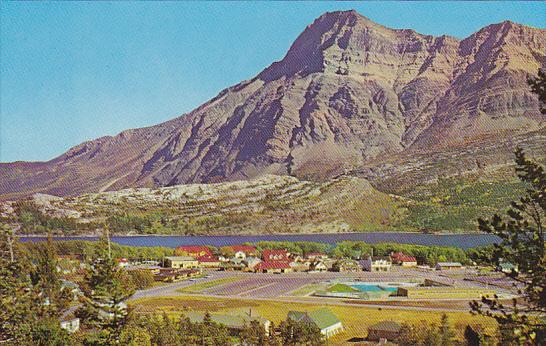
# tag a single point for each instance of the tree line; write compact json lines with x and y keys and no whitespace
{"x":347,"y":249}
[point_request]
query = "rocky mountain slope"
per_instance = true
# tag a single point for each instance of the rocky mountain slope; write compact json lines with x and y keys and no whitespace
{"x":268,"y":205}
{"x":349,"y":95}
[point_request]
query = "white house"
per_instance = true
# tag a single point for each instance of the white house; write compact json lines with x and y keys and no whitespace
{"x":318,"y":266}
{"x":376,"y":264}
{"x":251,"y":262}
{"x":240,"y":254}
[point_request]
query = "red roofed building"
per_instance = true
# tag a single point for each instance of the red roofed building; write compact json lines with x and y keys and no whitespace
{"x":247,"y":249}
{"x":403,"y":259}
{"x":273,"y":267}
{"x":315,"y":255}
{"x":195,"y":251}
{"x":209,"y":261}
{"x":275,"y":255}
{"x":240,"y":251}
{"x":122,"y":262}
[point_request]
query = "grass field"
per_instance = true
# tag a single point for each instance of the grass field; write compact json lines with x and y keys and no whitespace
{"x":341,"y":288}
{"x":355,"y":319}
{"x":199,"y":287}
{"x":307,"y":289}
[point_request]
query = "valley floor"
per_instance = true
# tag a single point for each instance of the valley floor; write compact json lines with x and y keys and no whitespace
{"x":272,"y":295}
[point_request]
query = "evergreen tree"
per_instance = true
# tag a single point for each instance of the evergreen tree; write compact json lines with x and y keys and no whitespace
{"x":186,"y":331}
{"x":31,"y":295}
{"x":211,"y":333}
{"x":46,"y":279}
{"x":135,"y":335}
{"x":300,"y":333}
{"x":48,"y":332}
{"x":18,"y":299}
{"x":254,"y":334}
{"x":425,"y":334}
{"x":522,"y":243}
{"x":106,"y":288}
{"x":474,"y":335}
{"x":445,"y":331}
{"x":273,"y":340}
{"x":409,"y":335}
{"x":538,"y":86}
{"x":165,"y":331}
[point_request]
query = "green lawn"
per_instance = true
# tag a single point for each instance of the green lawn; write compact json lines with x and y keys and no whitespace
{"x":341,"y":288}
{"x":307,"y":289}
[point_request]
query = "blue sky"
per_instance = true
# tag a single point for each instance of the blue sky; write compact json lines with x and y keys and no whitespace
{"x":75,"y":71}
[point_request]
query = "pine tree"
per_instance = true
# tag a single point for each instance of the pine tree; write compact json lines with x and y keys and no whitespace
{"x":135,"y":336}
{"x":18,"y":299}
{"x":48,"y":331}
{"x":166,"y":332}
{"x":538,"y":86}
{"x":445,"y":331}
{"x":254,"y":334}
{"x":186,"y":330}
{"x":408,"y":335}
{"x":300,"y":333}
{"x":522,"y":243}
{"x":106,"y":288}
{"x":46,"y":279}
{"x":273,"y":340}
{"x":31,"y":295}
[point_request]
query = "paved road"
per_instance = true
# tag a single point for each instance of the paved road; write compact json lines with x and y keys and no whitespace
{"x":251,"y":286}
{"x":170,"y":289}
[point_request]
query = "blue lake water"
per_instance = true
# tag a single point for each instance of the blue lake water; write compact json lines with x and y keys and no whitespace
{"x":458,"y":240}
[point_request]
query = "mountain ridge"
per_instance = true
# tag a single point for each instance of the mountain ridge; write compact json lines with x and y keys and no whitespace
{"x":347,"y":92}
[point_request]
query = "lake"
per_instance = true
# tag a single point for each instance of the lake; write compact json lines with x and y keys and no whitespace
{"x":463,"y":241}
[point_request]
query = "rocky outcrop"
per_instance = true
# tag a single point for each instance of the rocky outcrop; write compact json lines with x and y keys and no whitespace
{"x":348,"y":92}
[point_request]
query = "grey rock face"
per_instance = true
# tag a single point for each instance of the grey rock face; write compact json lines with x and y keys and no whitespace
{"x":347,"y":93}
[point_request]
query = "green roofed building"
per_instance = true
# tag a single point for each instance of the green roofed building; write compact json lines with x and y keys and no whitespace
{"x":235,"y":323}
{"x":323,"y":318}
{"x":507,"y":267}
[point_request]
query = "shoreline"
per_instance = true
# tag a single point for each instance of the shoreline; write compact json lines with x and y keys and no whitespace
{"x":251,"y":235}
{"x":460,"y":240}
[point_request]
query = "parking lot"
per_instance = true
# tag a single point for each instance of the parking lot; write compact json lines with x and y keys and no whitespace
{"x":271,"y":286}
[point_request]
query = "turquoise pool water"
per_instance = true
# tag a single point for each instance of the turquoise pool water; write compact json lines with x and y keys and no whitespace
{"x":374,"y":288}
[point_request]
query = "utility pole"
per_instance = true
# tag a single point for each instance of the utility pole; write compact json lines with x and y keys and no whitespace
{"x":10,"y":245}
{"x":10,"y":239}
{"x":108,"y":240}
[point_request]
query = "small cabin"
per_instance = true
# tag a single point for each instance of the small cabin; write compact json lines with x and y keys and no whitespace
{"x":384,"y":331}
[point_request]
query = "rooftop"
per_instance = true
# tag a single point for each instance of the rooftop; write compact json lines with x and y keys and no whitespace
{"x":191,"y":249}
{"x":243,"y":248}
{"x":322,"y":318}
{"x":449,"y":264}
{"x":208,"y":258}
{"x":402,"y":257}
{"x":180,"y":258}
{"x":388,"y":326}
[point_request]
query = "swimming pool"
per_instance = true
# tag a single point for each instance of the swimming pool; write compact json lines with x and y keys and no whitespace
{"x":374,"y":288}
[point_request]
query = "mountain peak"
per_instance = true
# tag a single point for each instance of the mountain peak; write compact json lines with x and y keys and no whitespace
{"x":340,"y":15}
{"x":331,"y":31}
{"x":348,"y":94}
